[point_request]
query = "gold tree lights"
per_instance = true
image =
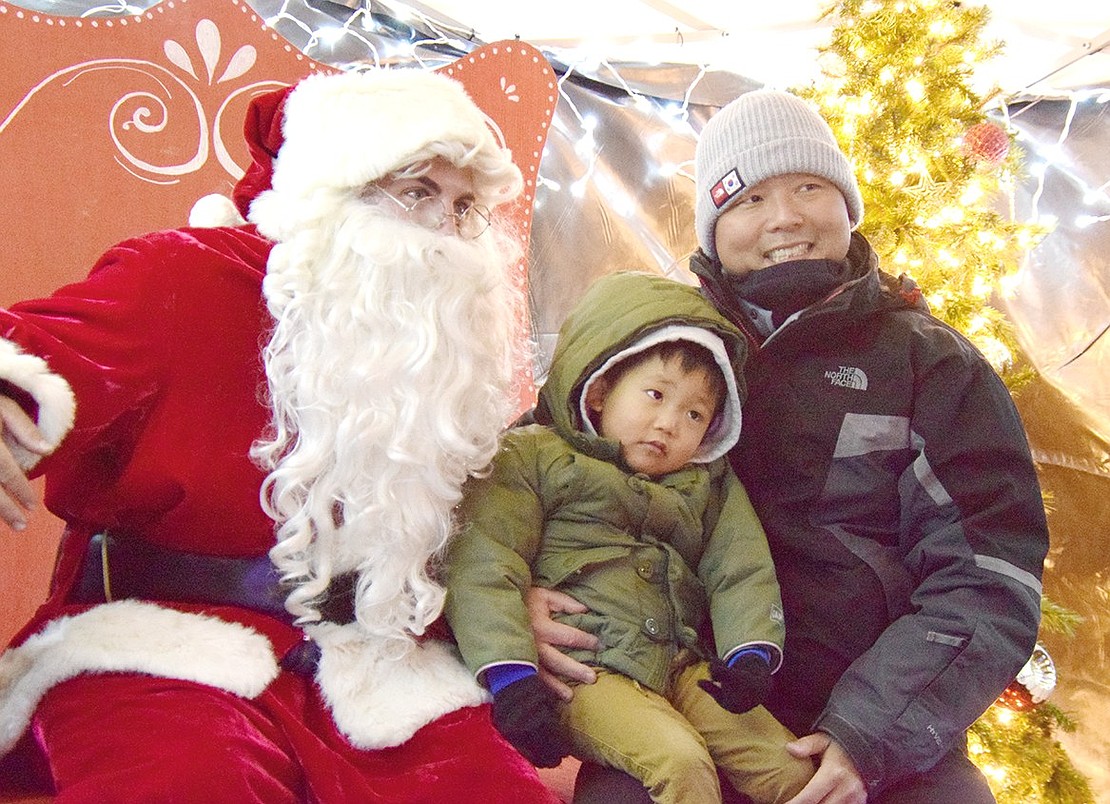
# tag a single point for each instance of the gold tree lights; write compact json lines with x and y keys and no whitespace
{"x":1014,"y":742}
{"x":934,"y":170}
{"x":936,"y":175}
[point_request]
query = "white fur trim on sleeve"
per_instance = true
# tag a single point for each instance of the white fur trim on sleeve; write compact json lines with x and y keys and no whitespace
{"x":50,"y":391}
{"x":133,"y":637}
{"x":380,"y":699}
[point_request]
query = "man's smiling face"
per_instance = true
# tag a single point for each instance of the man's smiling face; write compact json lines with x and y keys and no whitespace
{"x":793,"y":216}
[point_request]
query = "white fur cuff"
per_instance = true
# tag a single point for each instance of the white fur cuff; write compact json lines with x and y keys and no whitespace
{"x":132,"y":637}
{"x":51,"y":392}
{"x":380,"y":700}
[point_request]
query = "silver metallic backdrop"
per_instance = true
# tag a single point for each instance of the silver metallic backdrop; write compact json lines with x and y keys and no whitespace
{"x":616,"y":192}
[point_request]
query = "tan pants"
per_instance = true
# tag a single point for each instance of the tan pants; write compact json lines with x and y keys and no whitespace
{"x":675,"y":744}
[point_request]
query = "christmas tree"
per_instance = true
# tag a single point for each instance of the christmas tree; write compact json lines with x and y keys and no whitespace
{"x":935,"y":169}
{"x":896,"y":88}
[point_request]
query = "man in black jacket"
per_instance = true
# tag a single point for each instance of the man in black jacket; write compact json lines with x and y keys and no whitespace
{"x":886,"y":461}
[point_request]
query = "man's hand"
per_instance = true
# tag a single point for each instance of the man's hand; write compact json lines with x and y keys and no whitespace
{"x":837,"y":781}
{"x":551,"y":635}
{"x":17,"y":497}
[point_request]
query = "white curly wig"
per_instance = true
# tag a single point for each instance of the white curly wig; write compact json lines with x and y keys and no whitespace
{"x":390,"y":365}
{"x":390,"y":373}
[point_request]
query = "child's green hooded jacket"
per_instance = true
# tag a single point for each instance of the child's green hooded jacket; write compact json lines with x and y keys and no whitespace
{"x":651,"y":558}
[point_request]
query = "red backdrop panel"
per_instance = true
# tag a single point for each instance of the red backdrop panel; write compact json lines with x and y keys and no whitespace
{"x":110,"y":128}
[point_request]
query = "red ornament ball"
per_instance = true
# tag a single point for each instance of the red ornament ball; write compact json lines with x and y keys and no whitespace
{"x":987,"y":142}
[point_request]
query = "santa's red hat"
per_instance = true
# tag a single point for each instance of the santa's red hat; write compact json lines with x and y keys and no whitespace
{"x":336,"y":132}
{"x":262,"y":130}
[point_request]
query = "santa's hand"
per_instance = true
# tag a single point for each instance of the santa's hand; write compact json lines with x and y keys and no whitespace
{"x":17,"y":496}
{"x":551,"y":635}
{"x":836,"y":781}
{"x":525,"y":714}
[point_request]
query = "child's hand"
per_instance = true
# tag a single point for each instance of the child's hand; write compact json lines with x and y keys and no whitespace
{"x":525,"y":714}
{"x":742,"y":686}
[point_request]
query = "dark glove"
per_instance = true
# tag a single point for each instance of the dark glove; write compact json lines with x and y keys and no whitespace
{"x":524,"y":712}
{"x":739,"y":687}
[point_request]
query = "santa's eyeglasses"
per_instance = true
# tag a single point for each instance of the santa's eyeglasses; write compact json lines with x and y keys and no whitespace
{"x":430,"y":212}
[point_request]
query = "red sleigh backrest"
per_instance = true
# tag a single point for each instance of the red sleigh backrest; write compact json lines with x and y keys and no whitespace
{"x":113,"y":127}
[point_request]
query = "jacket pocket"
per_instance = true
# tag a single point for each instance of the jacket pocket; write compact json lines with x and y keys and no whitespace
{"x":552,"y":569}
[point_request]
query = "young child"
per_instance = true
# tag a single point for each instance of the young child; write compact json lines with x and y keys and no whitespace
{"x":621,"y":497}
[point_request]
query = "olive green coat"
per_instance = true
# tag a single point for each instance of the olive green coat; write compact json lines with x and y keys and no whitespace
{"x":650,"y":558}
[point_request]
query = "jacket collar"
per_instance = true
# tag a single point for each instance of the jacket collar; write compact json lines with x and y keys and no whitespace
{"x":865,"y":288}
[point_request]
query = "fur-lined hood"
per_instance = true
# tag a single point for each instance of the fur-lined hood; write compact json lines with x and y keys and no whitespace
{"x":623,"y":313}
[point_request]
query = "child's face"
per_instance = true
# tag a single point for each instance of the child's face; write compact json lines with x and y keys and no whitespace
{"x":657,"y":411}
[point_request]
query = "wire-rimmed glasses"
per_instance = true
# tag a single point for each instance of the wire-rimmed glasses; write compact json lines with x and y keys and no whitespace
{"x":430,"y":212}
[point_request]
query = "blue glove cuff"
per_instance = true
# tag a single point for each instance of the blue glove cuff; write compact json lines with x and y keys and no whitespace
{"x":755,"y":650}
{"x":502,"y":675}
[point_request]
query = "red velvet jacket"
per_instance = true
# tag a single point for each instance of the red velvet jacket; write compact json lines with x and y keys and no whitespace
{"x":161,"y":345}
{"x":149,"y":374}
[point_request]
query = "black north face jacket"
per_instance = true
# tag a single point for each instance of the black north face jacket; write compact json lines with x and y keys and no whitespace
{"x":890,"y":470}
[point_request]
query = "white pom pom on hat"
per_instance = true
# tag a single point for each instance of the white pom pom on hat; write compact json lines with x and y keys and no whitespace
{"x":214,"y":210}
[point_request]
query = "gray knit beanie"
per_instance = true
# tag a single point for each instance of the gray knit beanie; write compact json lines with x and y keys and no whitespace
{"x":760,"y":135}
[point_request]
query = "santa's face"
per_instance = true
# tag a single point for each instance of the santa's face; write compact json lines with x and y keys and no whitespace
{"x":436,"y":195}
{"x":390,"y":375}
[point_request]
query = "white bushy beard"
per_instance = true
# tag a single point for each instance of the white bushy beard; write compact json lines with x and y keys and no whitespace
{"x":390,"y":374}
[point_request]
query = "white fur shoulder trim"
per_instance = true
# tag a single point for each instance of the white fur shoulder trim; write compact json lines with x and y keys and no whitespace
{"x":215,"y":210}
{"x":57,"y":405}
{"x":135,"y":637}
{"x":379,"y":700}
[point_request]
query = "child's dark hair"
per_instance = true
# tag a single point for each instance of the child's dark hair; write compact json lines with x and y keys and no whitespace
{"x":692,"y":357}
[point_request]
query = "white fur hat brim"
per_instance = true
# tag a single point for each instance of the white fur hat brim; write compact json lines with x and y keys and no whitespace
{"x":344,"y":131}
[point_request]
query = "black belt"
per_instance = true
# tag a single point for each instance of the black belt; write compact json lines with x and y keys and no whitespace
{"x":116,"y":568}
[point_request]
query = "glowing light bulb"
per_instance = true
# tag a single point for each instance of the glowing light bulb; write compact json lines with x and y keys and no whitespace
{"x":971,"y":194}
{"x":1008,"y":285}
{"x":1083,"y":221}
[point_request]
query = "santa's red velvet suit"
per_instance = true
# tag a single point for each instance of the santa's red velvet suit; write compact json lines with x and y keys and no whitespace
{"x":149,"y":375}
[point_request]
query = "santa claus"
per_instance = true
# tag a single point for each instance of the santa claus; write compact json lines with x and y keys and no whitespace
{"x":338,"y":366}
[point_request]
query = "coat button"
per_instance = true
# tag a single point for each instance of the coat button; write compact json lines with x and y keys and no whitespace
{"x":651,"y":626}
{"x":644,"y":570}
